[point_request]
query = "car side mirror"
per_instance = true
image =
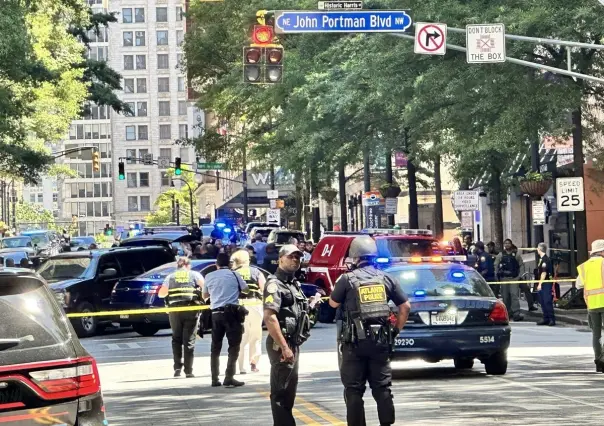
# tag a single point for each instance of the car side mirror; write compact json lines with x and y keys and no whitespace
{"x":108,"y":273}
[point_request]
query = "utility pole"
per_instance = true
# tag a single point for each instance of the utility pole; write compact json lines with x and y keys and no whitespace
{"x":342,"y":194}
{"x":411,"y":177}
{"x":244,"y":175}
{"x":578,"y":161}
{"x":439,"y":228}
{"x":177,"y":212}
{"x":314,"y":201}
{"x":173,"y":209}
{"x":535,"y":166}
{"x":272,"y":176}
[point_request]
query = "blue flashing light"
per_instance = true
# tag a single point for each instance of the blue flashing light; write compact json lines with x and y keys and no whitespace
{"x":220,"y":225}
{"x":419,"y":293}
{"x":227,"y":230}
{"x":382,"y":260}
{"x":146,"y":287}
{"x":458,"y":276}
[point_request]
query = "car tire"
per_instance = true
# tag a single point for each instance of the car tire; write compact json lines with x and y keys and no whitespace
{"x":85,"y":326}
{"x":497,"y":364}
{"x":463,"y":363}
{"x":146,"y":330}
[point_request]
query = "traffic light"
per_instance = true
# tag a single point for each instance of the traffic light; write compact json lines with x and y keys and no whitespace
{"x":274,"y":65}
{"x":252,"y":64}
{"x":121,"y":172}
{"x":96,"y":161}
{"x":177,"y":169}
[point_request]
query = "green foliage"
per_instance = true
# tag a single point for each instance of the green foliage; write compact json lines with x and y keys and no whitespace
{"x":536,"y":177}
{"x":163,"y":212}
{"x":29,"y":213}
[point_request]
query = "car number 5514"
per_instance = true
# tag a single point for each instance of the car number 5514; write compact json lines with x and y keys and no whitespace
{"x":487,"y":339}
{"x":404,"y":342}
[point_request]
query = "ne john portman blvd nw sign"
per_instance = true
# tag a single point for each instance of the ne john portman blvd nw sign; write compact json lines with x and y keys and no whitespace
{"x":352,"y":21}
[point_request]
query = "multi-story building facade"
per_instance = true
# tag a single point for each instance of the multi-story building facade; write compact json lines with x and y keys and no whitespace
{"x":146,"y":49}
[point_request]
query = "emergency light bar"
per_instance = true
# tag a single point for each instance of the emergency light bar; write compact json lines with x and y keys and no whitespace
{"x":421,"y":259}
{"x":379,"y":231}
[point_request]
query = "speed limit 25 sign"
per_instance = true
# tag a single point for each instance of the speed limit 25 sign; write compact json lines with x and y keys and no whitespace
{"x":569,"y":194}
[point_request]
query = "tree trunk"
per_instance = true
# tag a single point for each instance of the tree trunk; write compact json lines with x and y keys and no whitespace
{"x":389,"y":180}
{"x":299,"y":199}
{"x":578,"y":160}
{"x":343,"y":198}
{"x":439,"y":226}
{"x":497,"y":208}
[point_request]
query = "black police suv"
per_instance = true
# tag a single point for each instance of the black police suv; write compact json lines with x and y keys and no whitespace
{"x":83,"y":280}
{"x":179,"y":241}
{"x":46,"y":376}
{"x":454,"y":315}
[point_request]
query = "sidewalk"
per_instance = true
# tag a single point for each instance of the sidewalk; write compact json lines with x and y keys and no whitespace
{"x":573,"y":316}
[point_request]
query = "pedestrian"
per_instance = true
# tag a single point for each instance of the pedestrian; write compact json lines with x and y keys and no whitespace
{"x":508,"y":265}
{"x":259,"y":248}
{"x":467,"y":244}
{"x":183,"y":288}
{"x":288,"y":324}
{"x":591,"y":279}
{"x":223,"y":287}
{"x":367,"y":333}
{"x":545,"y":289}
{"x":252,"y":335}
{"x":271,"y":260}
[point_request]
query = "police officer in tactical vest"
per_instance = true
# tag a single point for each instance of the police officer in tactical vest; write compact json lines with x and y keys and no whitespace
{"x":288,"y":324}
{"x":183,"y":288}
{"x":508,"y":266}
{"x":367,"y":333}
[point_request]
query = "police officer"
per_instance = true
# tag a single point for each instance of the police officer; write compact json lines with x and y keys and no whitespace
{"x":288,"y":324}
{"x":367,"y":333}
{"x":546,"y":290}
{"x":183,"y":288}
{"x":508,"y":265}
{"x":485,"y":266}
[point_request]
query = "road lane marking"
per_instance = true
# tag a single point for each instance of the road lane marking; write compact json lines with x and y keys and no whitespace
{"x":133,"y":345}
{"x":319,"y":412}
{"x":535,"y":388}
{"x":113,"y":346}
{"x":297,"y":413}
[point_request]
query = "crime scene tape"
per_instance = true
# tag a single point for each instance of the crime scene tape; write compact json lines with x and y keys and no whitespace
{"x":551,"y":249}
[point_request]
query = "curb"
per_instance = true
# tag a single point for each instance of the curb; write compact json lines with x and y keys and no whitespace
{"x":560,"y":317}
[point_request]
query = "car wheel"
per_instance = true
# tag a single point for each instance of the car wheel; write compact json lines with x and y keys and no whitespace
{"x":85,"y":326}
{"x":463,"y":363}
{"x":497,"y":364}
{"x":146,"y":330}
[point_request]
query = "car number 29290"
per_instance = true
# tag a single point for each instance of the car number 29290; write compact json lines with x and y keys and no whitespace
{"x":403,"y":342}
{"x":487,"y":339}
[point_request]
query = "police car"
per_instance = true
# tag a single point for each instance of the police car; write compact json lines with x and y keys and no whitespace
{"x":454,"y":314}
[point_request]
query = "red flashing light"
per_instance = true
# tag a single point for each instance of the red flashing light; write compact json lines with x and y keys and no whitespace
{"x":262,"y":34}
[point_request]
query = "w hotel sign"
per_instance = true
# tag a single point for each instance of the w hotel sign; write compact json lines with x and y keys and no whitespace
{"x":262,"y":180}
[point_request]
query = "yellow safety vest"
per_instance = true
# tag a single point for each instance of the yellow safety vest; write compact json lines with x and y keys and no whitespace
{"x":592,"y":277}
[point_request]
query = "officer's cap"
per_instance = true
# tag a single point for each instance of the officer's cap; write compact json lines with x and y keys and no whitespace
{"x":289,"y":249}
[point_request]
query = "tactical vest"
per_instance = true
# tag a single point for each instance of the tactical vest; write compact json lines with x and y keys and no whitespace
{"x":182,"y":290}
{"x":368,"y":300}
{"x":293,"y":314}
{"x":253,"y":286}
{"x":509,"y":267}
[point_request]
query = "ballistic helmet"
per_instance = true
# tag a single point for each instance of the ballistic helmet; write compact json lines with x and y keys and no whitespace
{"x":363,"y":248}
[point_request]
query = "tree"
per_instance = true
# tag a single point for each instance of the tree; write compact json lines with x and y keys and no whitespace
{"x":163,"y":213}
{"x":34,"y":215}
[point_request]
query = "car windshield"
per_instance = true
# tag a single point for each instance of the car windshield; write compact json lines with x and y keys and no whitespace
{"x":284,"y":237}
{"x":441,"y":281}
{"x":399,"y":247}
{"x":16,"y":242}
{"x":64,"y":268}
{"x":40,"y":239}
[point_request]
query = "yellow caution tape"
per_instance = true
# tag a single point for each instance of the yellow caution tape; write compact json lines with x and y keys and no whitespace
{"x":533,"y":281}
{"x":551,"y":249}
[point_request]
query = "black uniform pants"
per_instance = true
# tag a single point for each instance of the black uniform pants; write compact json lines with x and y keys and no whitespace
{"x":284,"y":384}
{"x":184,"y":328}
{"x":223,"y":324}
{"x":368,"y":361}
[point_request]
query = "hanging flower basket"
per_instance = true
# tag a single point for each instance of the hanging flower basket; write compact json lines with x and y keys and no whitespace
{"x":536,"y":184}
{"x":329,"y":195}
{"x":390,"y":190}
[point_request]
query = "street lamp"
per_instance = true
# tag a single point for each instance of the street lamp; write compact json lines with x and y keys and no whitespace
{"x":190,"y":195}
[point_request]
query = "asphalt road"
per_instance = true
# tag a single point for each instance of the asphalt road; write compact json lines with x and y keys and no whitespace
{"x":551,"y":380}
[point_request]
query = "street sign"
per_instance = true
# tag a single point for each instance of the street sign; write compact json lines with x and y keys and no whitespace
{"x":273,"y":216}
{"x":339,"y":5}
{"x":163,"y":162}
{"x":148,"y":159}
{"x":538,"y":212}
{"x":400,"y":159}
{"x":467,"y":221}
{"x":372,"y":198}
{"x":210,"y":166}
{"x":366,"y":21}
{"x":569,"y":194}
{"x":272,"y":204}
{"x":466,"y":200}
{"x":485,"y":43}
{"x":391,"y":205}
{"x":430,"y":39}
{"x":272,"y":194}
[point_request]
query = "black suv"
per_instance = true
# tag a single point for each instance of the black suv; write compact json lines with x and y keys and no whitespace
{"x":46,"y":376}
{"x":83,"y":280}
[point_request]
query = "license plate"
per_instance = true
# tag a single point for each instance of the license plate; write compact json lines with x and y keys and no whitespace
{"x":124,"y":316}
{"x":444,"y":319}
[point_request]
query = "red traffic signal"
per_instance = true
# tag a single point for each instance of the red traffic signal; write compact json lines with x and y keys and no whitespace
{"x":262,"y":34}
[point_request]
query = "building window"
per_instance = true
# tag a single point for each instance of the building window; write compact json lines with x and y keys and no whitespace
{"x":105,"y":206}
{"x":127,"y":37}
{"x":183,"y":131}
{"x":184,"y":154}
{"x":163,"y":84}
{"x":130,"y":133}
{"x":141,"y":85}
{"x":55,"y":197}
{"x":143,"y":179}
{"x":131,"y":180}
{"x":140,"y":38}
{"x":180,"y":37}
{"x":32,"y":198}
{"x":139,"y":14}
{"x":162,"y":38}
{"x":132,"y":107}
{"x":127,"y":16}
{"x":145,"y":203}
{"x":141,"y":62}
{"x":131,"y":156}
{"x":143,"y":133}
{"x":179,"y":14}
{"x":132,"y":204}
{"x":163,"y":62}
{"x":128,"y":62}
{"x":161,"y":14}
{"x":182,"y":107}
{"x":165,"y":153}
{"x":181,"y":84}
{"x":164,"y":108}
{"x":128,"y":85}
{"x":179,"y":58}
{"x":40,"y":197}
{"x":165,"y":179}
{"x":165,"y":131}
{"x":142,"y":109}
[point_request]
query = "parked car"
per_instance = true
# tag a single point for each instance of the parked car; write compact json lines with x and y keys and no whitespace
{"x":179,"y":241}
{"x":47,"y":243}
{"x":83,"y":280}
{"x":43,"y":366}
{"x":81,"y":243}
